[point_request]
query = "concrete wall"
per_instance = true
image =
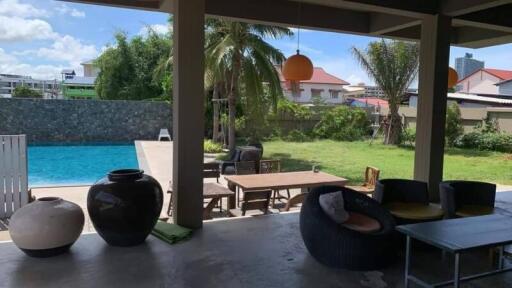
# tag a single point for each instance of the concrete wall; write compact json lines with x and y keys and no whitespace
{"x":83,"y":121}
{"x":470,"y":117}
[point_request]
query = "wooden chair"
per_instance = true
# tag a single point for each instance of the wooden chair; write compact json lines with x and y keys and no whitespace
{"x":294,"y":201}
{"x":371,"y":176}
{"x":273,"y":166}
{"x":210,"y":170}
{"x":244,"y":168}
{"x":253,"y":200}
{"x":13,"y":159}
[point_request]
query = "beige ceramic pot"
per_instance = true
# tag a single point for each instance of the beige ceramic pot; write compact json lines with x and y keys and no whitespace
{"x":46,"y":227}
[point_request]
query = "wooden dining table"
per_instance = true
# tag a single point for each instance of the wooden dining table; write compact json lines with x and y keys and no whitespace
{"x":283,"y":181}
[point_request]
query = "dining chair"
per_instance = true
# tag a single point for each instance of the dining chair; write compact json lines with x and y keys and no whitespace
{"x":253,"y":200}
{"x":273,"y":166}
{"x":244,"y":168}
{"x":292,"y":203}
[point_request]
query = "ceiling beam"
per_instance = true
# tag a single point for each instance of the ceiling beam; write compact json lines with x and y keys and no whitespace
{"x":497,"y":18}
{"x":150,"y":5}
{"x":284,"y":13}
{"x":457,"y":7}
{"x":384,"y":23}
{"x":472,"y":37}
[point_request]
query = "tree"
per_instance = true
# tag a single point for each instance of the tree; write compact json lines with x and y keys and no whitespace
{"x":454,"y":128}
{"x":132,"y":69}
{"x":393,"y":65}
{"x":239,"y":59}
{"x":25,"y":92}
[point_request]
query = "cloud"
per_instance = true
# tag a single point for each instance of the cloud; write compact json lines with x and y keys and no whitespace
{"x":64,"y":9}
{"x":157,"y":28}
{"x":14,"y":8}
{"x":19,"y":29}
{"x":65,"y":49}
{"x":10,"y":64}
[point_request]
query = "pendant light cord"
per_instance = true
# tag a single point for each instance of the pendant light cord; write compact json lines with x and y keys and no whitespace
{"x":298,"y":28}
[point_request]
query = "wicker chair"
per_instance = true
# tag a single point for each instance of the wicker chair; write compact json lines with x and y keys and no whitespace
{"x":246,"y":153}
{"x":336,"y":246}
{"x":407,"y":200}
{"x":467,"y":198}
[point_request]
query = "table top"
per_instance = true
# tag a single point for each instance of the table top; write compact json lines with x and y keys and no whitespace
{"x":285,"y":180}
{"x":461,"y":234}
{"x":215,"y":190}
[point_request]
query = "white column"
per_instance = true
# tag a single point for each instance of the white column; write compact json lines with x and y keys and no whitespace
{"x":188,"y":112}
{"x":432,"y":101}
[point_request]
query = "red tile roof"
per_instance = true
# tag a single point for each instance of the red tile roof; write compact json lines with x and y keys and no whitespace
{"x":502,"y":74}
{"x":319,"y":77}
{"x":372,"y":101}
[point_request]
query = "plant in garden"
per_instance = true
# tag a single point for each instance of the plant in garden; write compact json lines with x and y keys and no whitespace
{"x":343,"y":123}
{"x":25,"y":92}
{"x":212,"y":147}
{"x":393,"y":65}
{"x":454,"y":128}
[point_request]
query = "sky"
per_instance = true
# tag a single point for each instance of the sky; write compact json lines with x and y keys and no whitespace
{"x":39,"y":38}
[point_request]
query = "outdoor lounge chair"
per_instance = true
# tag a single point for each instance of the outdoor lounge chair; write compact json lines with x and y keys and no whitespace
{"x":164,"y":135}
{"x":243,"y":153}
{"x":407,"y":200}
{"x":342,"y":245}
{"x":14,"y":173}
{"x":467,"y":198}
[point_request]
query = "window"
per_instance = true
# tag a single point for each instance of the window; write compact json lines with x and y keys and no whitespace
{"x":295,"y":87}
{"x":334,"y":94}
{"x":316,"y":93}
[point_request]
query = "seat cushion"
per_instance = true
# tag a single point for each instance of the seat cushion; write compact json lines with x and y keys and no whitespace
{"x":474,"y":210}
{"x":415,"y":211}
{"x":333,"y":205}
{"x":361,"y":223}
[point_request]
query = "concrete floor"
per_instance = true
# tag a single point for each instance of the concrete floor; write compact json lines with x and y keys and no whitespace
{"x":254,"y":252}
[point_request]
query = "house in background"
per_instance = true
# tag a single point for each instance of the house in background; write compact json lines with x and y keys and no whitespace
{"x":80,"y":87}
{"x":372,"y":91}
{"x":323,"y":87}
{"x":468,"y":100}
{"x":483,"y":81}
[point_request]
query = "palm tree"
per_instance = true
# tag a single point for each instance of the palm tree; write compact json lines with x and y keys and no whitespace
{"x":239,"y":59}
{"x":393,"y":65}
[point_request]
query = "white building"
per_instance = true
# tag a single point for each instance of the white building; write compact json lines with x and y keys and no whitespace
{"x":49,"y":88}
{"x":484,"y":81}
{"x":376,"y":91}
{"x":323,"y":87}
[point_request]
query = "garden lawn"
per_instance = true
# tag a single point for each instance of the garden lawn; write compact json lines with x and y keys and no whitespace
{"x":349,"y":159}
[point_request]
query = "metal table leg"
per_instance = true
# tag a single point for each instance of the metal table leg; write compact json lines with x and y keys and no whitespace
{"x":456,"y":276}
{"x":407,"y":260}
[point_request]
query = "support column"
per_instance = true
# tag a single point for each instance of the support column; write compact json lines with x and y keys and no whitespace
{"x":188,"y":112}
{"x":432,"y":101}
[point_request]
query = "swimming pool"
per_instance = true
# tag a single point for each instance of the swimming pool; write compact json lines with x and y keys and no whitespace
{"x":60,"y":165}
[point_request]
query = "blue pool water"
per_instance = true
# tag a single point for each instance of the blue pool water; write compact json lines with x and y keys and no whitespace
{"x":78,"y":164}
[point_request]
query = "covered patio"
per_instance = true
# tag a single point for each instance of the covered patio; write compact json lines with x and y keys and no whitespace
{"x":268,"y":251}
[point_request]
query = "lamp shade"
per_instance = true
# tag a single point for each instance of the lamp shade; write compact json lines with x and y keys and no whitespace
{"x":453,"y":77}
{"x":297,"y":67}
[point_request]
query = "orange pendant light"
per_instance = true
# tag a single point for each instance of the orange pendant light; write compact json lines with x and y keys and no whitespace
{"x":453,"y":77}
{"x":297,"y":67}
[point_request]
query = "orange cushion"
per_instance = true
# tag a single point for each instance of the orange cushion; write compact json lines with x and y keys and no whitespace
{"x":361,"y":223}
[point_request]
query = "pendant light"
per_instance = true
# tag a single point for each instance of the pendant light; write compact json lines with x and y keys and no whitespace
{"x":298,"y":67}
{"x":453,"y":77}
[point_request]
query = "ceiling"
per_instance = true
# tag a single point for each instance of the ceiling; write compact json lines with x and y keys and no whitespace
{"x":476,"y":23}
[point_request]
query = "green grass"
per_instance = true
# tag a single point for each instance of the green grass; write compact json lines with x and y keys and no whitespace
{"x":349,"y":159}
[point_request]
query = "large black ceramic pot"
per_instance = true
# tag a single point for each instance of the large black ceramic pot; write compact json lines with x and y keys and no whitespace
{"x":124,"y":206}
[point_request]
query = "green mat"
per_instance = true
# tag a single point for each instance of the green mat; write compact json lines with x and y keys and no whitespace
{"x":170,"y":233}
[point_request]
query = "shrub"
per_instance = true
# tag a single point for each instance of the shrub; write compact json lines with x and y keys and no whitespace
{"x":343,"y":123}
{"x":409,"y":135}
{"x":454,"y":128}
{"x":297,"y":136}
{"x":486,"y":141}
{"x":212,"y":147}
